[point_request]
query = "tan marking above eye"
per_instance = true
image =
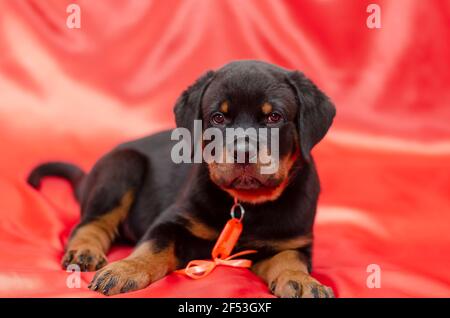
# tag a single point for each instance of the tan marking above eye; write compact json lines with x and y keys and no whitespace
{"x":224,"y":107}
{"x":266,"y":108}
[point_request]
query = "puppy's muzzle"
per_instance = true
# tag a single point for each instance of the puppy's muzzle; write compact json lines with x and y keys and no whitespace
{"x":245,"y":152}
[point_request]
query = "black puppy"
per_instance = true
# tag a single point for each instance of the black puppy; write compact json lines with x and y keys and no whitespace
{"x":175,"y":212}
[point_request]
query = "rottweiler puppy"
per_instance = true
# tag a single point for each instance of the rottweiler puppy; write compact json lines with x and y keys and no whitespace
{"x":174,"y":212}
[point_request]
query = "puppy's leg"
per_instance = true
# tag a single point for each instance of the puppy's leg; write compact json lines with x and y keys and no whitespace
{"x":151,"y":260}
{"x":167,"y":246}
{"x":107,"y":199}
{"x":288,"y":277}
{"x":148,"y":263}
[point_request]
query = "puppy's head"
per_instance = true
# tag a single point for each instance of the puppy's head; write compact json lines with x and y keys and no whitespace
{"x":249,"y":97}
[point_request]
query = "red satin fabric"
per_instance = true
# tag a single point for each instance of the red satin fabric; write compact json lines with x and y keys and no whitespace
{"x":385,"y":165}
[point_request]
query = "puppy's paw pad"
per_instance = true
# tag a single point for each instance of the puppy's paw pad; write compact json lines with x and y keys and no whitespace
{"x":88,"y":260}
{"x":120,"y":277}
{"x":292,"y":284}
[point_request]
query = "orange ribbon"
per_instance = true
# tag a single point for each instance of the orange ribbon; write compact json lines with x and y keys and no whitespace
{"x":221,"y":252}
{"x":200,"y":268}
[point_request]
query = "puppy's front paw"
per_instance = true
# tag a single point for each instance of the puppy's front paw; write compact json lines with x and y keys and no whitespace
{"x":120,"y":277}
{"x":295,"y":284}
{"x":87,"y":259}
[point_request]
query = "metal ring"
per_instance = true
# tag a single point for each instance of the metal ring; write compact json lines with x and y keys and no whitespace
{"x":241,"y":209}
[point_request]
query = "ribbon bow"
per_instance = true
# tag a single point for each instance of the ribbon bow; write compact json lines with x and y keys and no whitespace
{"x":200,"y":268}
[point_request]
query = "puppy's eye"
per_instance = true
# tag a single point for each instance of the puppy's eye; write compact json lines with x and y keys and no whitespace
{"x":274,"y":118}
{"x":218,"y":118}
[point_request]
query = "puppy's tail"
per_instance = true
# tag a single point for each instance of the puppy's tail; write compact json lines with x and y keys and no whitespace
{"x":68,"y":171}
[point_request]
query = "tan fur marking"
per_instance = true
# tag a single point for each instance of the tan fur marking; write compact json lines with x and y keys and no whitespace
{"x":200,"y":229}
{"x":271,"y":268}
{"x":287,"y":276}
{"x":281,"y":245}
{"x":98,"y":234}
{"x":266,"y":108}
{"x":282,"y":173}
{"x":144,"y":266}
{"x":146,"y":258}
{"x":224,"y":107}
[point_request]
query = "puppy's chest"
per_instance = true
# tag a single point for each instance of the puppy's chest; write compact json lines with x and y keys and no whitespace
{"x":259,"y":232}
{"x":270,"y":240}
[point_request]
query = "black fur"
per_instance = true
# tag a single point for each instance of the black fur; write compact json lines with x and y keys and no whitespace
{"x":65,"y":170}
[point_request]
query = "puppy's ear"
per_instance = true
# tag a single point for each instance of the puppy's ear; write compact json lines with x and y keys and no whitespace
{"x":188,"y":106}
{"x":315,"y":112}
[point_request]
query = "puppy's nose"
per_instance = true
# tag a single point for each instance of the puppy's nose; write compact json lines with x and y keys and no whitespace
{"x":245,"y":152}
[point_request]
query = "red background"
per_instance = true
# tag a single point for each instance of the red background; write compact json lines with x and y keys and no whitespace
{"x":72,"y":94}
